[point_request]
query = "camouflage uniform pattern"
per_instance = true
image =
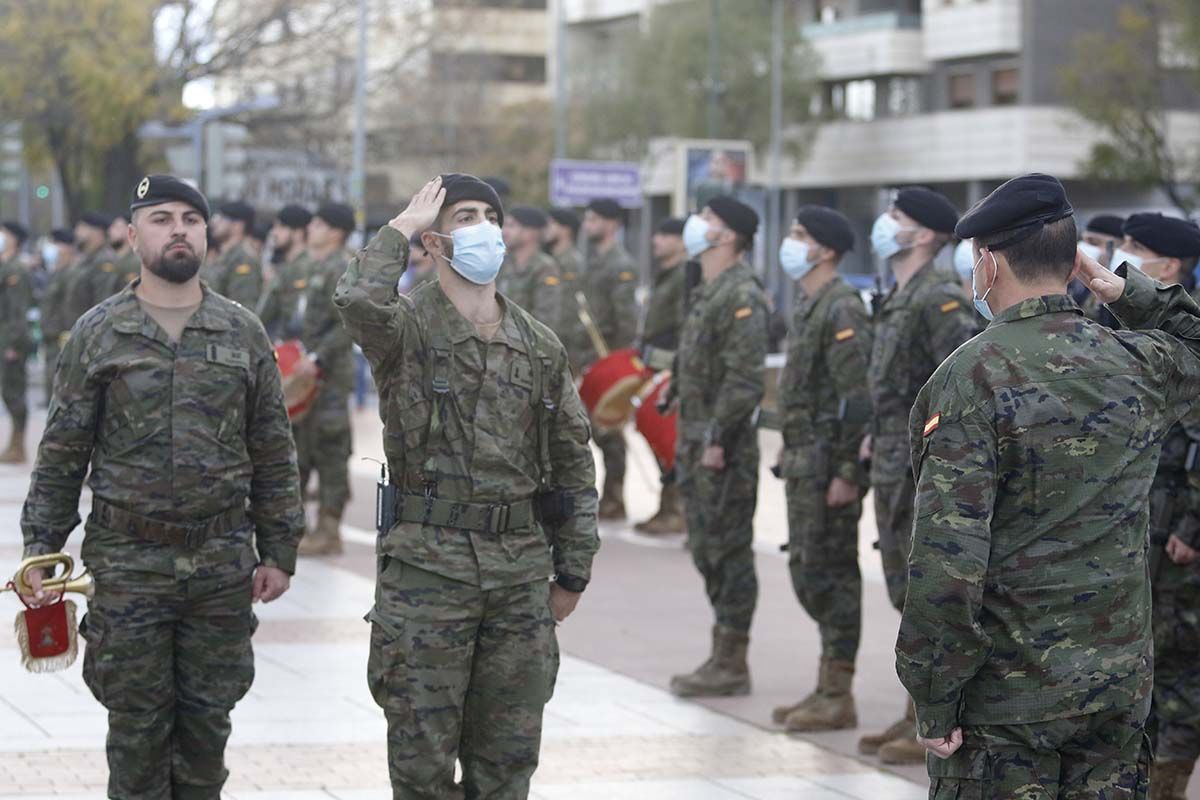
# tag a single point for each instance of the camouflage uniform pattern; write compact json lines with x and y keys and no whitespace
{"x":463,"y":647}
{"x":126,"y":268}
{"x":186,"y":435}
{"x":89,"y":281}
{"x":569,"y":328}
{"x":238,"y":275}
{"x":280,"y":307}
{"x":916,"y":328}
{"x":537,"y":288}
{"x":719,"y":382}
{"x":1035,"y":448}
{"x":664,"y":312}
{"x":826,"y":408}
{"x":611,"y":284}
{"x":55,"y":320}
{"x":16,"y":298}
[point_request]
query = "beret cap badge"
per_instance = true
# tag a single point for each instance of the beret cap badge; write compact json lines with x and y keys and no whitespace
{"x":143,"y":187}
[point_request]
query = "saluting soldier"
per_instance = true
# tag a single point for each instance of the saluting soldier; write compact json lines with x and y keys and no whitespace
{"x":237,"y":273}
{"x":529,"y":277}
{"x":167,"y":398}
{"x":487,"y":443}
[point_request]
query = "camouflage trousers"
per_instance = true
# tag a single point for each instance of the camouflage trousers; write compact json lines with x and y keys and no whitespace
{"x":13,"y":388}
{"x":823,"y":561}
{"x":1175,"y":716}
{"x":719,"y":508}
{"x":460,"y":673}
{"x":1103,"y":756}
{"x":894,"y":519}
{"x":323,"y":445}
{"x":611,"y":442}
{"x":169,"y":659}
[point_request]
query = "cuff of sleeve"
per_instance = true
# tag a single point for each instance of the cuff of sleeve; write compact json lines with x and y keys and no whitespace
{"x":278,"y":556}
{"x":1137,"y":304}
{"x":389,"y":241}
{"x":935,"y":721}
{"x":852,"y":471}
{"x":37,"y":548}
{"x":570,"y":582}
{"x":1189,"y":533}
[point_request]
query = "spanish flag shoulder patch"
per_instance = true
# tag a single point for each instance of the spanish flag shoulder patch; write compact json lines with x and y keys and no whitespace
{"x":844,"y":334}
{"x":626,"y":275}
{"x":950,"y":306}
{"x":932,"y":424}
{"x":743,"y":312}
{"x":551,"y":280}
{"x":299,"y":284}
{"x":243,"y":269}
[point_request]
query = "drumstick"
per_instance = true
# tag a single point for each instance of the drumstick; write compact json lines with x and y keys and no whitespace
{"x":589,"y":324}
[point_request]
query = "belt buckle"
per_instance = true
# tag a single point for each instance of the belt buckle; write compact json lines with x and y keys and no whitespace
{"x":501,"y":514}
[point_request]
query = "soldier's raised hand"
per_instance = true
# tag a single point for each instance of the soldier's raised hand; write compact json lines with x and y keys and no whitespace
{"x":1106,"y":285}
{"x":422,"y":210}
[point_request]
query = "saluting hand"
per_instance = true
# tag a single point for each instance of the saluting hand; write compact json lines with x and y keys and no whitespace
{"x":1105,"y":284}
{"x":422,"y":210}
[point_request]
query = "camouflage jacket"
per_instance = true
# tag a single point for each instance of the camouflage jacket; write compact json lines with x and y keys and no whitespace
{"x":537,"y":288}
{"x":126,"y":268}
{"x":55,"y":318}
{"x":16,"y":298}
{"x":569,"y":328}
{"x":719,"y":376}
{"x":238,"y":276}
{"x":612,"y":281}
{"x":174,"y":433}
{"x":664,"y":313}
{"x":323,"y":334}
{"x":1034,"y":448}
{"x":916,"y":328}
{"x":89,"y":281}
{"x":281,"y":306}
{"x":486,"y":448}
{"x":823,"y":389}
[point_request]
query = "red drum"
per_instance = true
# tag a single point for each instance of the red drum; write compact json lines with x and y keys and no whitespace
{"x":658,"y":430}
{"x":610,"y":384}
{"x":298,"y":392}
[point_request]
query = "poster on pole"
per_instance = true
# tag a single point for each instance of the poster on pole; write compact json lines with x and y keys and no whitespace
{"x":577,"y":183}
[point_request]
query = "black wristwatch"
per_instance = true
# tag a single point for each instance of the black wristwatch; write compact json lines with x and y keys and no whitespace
{"x":571,"y":583}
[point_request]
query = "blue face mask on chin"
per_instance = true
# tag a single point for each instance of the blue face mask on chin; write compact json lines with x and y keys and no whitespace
{"x":981,"y":305}
{"x":478,"y":252}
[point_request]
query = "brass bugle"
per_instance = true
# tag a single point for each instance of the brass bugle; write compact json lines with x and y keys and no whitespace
{"x":82,"y":584}
{"x":589,"y":325}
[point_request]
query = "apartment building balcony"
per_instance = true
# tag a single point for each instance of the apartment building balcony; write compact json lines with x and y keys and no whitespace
{"x":970,"y":28}
{"x":888,"y":43}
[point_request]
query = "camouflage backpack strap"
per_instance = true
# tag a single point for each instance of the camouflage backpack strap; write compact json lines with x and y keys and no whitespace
{"x":437,"y":368}
{"x":543,"y":405}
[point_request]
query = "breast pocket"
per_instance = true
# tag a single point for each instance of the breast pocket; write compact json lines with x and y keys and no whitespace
{"x":137,"y":407}
{"x":217,"y":400}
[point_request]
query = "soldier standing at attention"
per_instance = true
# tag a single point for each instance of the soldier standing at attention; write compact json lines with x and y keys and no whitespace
{"x":16,"y":343}
{"x":719,"y":382}
{"x":562,"y":229}
{"x":58,"y":255}
{"x":611,"y":286}
{"x":920,"y":322}
{"x":237,"y":274}
{"x":529,"y":277}
{"x":487,"y":443}
{"x":658,"y":342}
{"x":93,"y":273}
{"x":325,"y":430}
{"x":170,"y":394}
{"x":280,"y":307}
{"x":1026,"y":641}
{"x":826,"y":408}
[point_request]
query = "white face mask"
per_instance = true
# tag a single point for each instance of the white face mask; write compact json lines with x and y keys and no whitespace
{"x":795,"y":258}
{"x":1091,"y":251}
{"x":478,"y":252}
{"x":3,"y":241}
{"x":1121,"y":256}
{"x":695,"y":236}
{"x":885,"y":236}
{"x":964,"y":259}
{"x":49,"y":254}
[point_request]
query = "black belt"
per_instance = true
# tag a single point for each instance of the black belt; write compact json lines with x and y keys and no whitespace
{"x":482,"y":517}
{"x":187,"y":534}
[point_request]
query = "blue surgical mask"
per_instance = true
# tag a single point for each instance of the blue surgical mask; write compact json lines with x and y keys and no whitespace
{"x":884,"y":235}
{"x":49,"y":254}
{"x":478,"y":252}
{"x":695,"y":236}
{"x":795,"y":258}
{"x":1120,"y":256}
{"x":964,"y":260}
{"x":981,"y":305}
{"x":3,"y":241}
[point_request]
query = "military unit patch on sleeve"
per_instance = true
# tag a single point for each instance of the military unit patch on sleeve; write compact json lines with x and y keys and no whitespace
{"x":844,"y":334}
{"x":243,"y":269}
{"x":107,"y":267}
{"x":626,"y":276}
{"x":551,"y":280}
{"x":743,"y":312}
{"x":932,"y":424}
{"x":950,"y":306}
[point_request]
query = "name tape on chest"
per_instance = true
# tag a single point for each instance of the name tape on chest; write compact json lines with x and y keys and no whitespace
{"x":218,"y":354}
{"x":932,"y":423}
{"x":844,"y":334}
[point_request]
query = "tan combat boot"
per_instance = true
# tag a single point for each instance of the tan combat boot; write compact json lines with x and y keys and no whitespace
{"x":904,"y":749}
{"x":326,"y":538}
{"x":724,"y":674}
{"x":832,"y":708}
{"x":669,"y":518}
{"x":1169,"y":779}
{"x":15,"y":452}
{"x":612,"y":503}
{"x":870,"y":744}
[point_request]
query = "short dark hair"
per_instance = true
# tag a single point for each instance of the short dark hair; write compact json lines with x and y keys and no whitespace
{"x":1048,"y":253}
{"x":742,"y":243}
{"x":1187,"y":272}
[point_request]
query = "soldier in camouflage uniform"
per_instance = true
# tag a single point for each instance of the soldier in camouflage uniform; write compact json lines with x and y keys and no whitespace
{"x":127,"y":266}
{"x":237,"y":274}
{"x":529,"y":277}
{"x":16,"y":341}
{"x":59,"y":259}
{"x":611,"y":282}
{"x":1100,"y":239}
{"x":920,"y":322}
{"x":325,"y":430}
{"x":170,"y":394}
{"x":1166,"y":249}
{"x":92,"y":275}
{"x":1026,"y":637}
{"x":562,"y":229}
{"x":826,"y":407}
{"x":658,"y":340}
{"x":281,"y":306}
{"x":482,"y":424}
{"x":718,"y":382}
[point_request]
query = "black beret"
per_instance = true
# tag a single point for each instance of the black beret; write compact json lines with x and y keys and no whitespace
{"x":96,"y":219}
{"x":567,"y":217}
{"x":17,"y":229}
{"x":607,"y":208}
{"x":337,"y":215}
{"x":928,"y":207}
{"x":238,"y":210}
{"x":1168,"y":236}
{"x":501,"y":186}
{"x":294,"y":216}
{"x":460,"y":187}
{"x":62,"y":236}
{"x":830,"y":228}
{"x":1019,"y":207}
{"x":529,"y":216}
{"x":155,"y":190}
{"x":740,"y":217}
{"x":1108,"y":224}
{"x":671,"y":226}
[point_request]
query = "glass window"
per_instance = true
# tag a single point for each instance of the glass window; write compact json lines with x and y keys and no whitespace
{"x":904,"y":96}
{"x":1006,"y":87}
{"x":860,"y":100}
{"x":962,"y":90}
